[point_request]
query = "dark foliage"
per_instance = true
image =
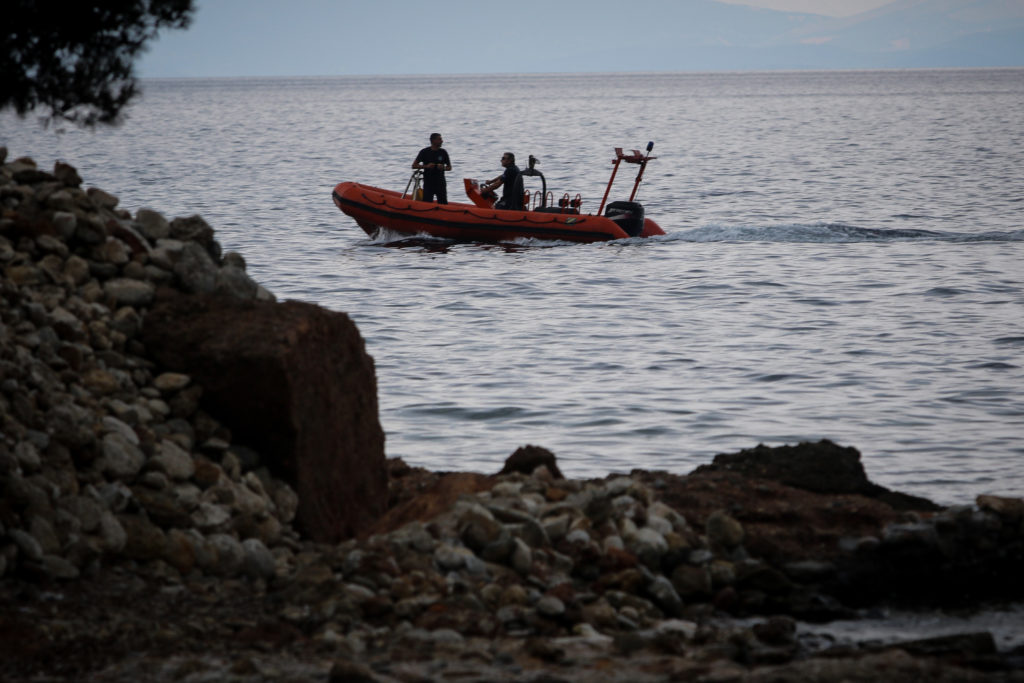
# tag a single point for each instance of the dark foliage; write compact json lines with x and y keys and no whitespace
{"x":75,"y":60}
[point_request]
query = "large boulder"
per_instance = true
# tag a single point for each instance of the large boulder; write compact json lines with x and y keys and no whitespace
{"x":821,"y":467}
{"x":294,"y":382}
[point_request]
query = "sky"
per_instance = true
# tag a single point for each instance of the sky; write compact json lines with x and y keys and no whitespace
{"x":832,"y":8}
{"x":239,"y":38}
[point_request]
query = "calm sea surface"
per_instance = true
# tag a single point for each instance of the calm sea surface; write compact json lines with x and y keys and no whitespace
{"x":844,"y":258}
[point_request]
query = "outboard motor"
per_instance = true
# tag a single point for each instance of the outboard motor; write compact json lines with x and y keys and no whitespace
{"x":627,"y":215}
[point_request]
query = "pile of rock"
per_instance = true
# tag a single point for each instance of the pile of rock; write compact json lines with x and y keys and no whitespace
{"x":101,"y":455}
{"x":596,"y":567}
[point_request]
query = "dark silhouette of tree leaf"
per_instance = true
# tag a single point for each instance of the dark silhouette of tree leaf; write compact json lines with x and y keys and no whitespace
{"x":76,"y":60}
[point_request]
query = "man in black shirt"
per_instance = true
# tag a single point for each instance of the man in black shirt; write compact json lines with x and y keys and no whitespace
{"x":434,"y":161}
{"x":511,"y":181}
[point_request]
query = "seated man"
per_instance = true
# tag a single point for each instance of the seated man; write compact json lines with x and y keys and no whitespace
{"x":511,"y":180}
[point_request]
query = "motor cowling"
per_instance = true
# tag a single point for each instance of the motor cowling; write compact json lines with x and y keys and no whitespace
{"x":627,"y":215}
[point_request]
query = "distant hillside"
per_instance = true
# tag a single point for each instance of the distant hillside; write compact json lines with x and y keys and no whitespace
{"x":917,"y":33}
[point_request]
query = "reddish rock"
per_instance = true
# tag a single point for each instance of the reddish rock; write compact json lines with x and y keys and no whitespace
{"x":554,"y":494}
{"x":780,"y":522}
{"x":406,"y":482}
{"x":294,"y":382}
{"x":436,"y":499}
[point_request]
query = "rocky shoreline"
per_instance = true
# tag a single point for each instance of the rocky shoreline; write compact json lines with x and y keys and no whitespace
{"x":194,"y":488}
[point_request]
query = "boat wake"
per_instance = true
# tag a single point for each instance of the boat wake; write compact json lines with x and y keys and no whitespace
{"x":812,"y":233}
{"x":830,"y":232}
{"x":393,"y":238}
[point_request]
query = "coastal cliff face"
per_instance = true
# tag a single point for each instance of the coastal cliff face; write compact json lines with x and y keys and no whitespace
{"x":194,"y":487}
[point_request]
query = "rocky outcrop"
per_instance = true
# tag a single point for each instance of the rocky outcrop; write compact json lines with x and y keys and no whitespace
{"x":821,"y":467}
{"x":295,"y":383}
{"x":956,"y":558}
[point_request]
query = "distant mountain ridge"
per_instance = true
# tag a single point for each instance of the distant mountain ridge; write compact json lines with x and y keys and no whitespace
{"x":914,"y":33}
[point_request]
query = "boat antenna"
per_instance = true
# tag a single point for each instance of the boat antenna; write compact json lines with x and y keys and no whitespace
{"x":640,"y":173}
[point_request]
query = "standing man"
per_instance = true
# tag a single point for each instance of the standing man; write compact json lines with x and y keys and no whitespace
{"x":434,"y":162}
{"x":511,"y":181}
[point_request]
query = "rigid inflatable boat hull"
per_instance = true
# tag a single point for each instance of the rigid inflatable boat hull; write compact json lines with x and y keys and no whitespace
{"x":373,"y":208}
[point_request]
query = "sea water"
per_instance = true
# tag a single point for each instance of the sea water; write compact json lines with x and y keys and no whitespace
{"x":844,"y":258}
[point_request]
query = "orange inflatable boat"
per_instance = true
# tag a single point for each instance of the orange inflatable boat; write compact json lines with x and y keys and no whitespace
{"x":374,"y":209}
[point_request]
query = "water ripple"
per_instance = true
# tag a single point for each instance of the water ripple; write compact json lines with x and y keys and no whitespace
{"x":813,"y":282}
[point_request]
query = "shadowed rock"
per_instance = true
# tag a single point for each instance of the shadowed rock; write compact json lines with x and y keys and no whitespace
{"x":528,"y":458}
{"x":293,"y":381}
{"x":822,"y":467}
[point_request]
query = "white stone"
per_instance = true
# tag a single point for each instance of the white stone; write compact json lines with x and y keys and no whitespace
{"x":121,"y":459}
{"x":229,"y":553}
{"x":210,"y":515}
{"x":677,"y":627}
{"x":173,"y":460}
{"x":618,"y":485}
{"x":65,"y":222}
{"x":614,"y":542}
{"x":112,"y":534}
{"x":647,"y":539}
{"x":168,"y":382}
{"x":507,"y":489}
{"x":187,"y":495}
{"x":550,"y":606}
{"x":358,"y":593}
{"x":159,"y":407}
{"x":661,"y":510}
{"x":449,"y":557}
{"x":556,"y":527}
{"x":259,"y":561}
{"x":578,"y":536}
{"x":113,"y":425}
{"x":129,"y":292}
{"x":659,"y":524}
